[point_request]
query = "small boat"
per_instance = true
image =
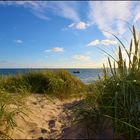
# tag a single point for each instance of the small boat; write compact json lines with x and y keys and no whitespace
{"x":76,"y":71}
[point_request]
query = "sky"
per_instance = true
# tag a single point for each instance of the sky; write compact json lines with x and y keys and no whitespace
{"x":63,"y":34}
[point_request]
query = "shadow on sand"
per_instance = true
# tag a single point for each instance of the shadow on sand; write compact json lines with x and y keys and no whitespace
{"x":81,"y":130}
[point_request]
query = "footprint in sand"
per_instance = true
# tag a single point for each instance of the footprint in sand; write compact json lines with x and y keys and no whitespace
{"x":43,"y":130}
{"x":51,"y":124}
{"x":38,"y":132}
{"x":34,"y":103}
{"x":37,"y":129}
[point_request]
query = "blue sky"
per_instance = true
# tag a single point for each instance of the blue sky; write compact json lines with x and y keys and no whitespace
{"x":61,"y":34}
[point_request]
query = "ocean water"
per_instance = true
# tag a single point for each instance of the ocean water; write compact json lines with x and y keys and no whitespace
{"x":86,"y":75}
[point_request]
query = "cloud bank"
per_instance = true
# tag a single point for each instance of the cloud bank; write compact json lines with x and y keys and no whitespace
{"x":113,"y":15}
{"x":106,"y":15}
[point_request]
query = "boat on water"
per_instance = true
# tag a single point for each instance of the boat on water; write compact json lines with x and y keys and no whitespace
{"x":76,"y":71}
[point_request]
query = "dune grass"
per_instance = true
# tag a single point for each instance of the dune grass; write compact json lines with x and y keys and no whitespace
{"x":10,"y":106}
{"x":56,"y":83}
{"x":114,"y":100}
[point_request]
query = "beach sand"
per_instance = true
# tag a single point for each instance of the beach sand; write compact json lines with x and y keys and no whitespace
{"x":45,"y":118}
{"x":48,"y":118}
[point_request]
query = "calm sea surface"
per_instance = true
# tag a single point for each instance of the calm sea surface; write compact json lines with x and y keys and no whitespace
{"x":86,"y":75}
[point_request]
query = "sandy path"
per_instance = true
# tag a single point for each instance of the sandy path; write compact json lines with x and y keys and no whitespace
{"x":42,"y":120}
{"x":46,"y":119}
{"x":51,"y":119}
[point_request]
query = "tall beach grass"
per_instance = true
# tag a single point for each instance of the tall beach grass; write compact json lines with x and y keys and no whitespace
{"x":114,"y":100}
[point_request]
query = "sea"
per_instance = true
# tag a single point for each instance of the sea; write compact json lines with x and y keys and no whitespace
{"x":85,"y":75}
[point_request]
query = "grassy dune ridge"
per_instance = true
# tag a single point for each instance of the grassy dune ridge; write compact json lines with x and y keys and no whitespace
{"x":43,"y":82}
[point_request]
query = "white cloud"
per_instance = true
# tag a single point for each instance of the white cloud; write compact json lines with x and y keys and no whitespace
{"x":65,"y":9}
{"x":94,"y":43}
{"x":40,"y":15}
{"x":105,"y":42}
{"x":108,"y":15}
{"x":108,"y":42}
{"x":81,"y":57}
{"x":56,"y":49}
{"x":19,"y":41}
{"x":80,"y":25}
{"x":39,"y":8}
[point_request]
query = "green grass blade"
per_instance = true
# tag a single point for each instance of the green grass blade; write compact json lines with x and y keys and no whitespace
{"x":110,"y":66}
